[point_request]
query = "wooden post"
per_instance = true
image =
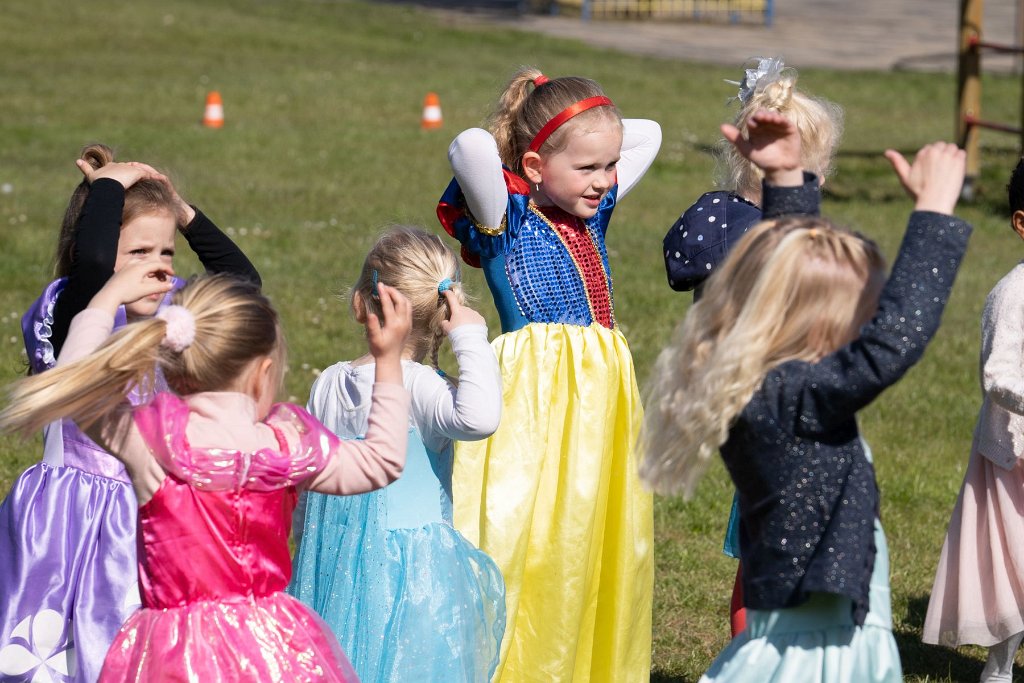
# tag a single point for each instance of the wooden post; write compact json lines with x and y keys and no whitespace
{"x":969,"y":89}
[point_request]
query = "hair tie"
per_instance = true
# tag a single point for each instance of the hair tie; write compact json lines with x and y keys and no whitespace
{"x":181,"y":328}
{"x":444,"y":285}
{"x":566,"y":114}
{"x":540,"y":80}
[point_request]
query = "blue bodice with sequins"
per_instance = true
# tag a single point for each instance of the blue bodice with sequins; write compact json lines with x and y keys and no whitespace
{"x":545,"y":266}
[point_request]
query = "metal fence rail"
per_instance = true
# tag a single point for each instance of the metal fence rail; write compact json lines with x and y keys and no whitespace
{"x":730,"y":11}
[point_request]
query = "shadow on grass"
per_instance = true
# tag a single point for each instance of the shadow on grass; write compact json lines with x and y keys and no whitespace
{"x":930,"y":662}
{"x":660,"y":677}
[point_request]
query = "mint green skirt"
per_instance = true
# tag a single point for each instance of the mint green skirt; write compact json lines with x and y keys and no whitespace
{"x":817,"y":642}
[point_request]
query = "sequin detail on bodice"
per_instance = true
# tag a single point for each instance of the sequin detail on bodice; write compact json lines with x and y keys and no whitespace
{"x":558,"y":270}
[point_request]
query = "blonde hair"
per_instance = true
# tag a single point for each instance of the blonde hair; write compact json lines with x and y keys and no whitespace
{"x":794,"y":289}
{"x":142,"y":198}
{"x":415,"y":263}
{"x":234,"y":324}
{"x":523,"y":109}
{"x":819,"y":121}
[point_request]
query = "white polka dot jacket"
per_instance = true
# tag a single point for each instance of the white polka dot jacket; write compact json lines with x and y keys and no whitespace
{"x":698,"y":242}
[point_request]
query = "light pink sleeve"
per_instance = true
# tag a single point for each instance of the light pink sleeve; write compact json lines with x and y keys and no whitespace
{"x":89,"y":329}
{"x":116,"y":431}
{"x":358,"y":466}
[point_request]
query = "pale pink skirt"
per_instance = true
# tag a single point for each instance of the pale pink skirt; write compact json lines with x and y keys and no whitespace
{"x":978,"y":595}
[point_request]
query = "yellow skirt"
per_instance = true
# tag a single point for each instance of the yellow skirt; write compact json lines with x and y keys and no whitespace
{"x":554,"y":497}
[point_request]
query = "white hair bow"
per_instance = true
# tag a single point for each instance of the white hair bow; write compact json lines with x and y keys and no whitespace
{"x":759,"y":73}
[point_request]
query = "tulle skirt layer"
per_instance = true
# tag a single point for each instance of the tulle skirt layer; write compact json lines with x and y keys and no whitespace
{"x":68,"y":576}
{"x":978,"y":586}
{"x":817,"y":642}
{"x":239,"y":638}
{"x":411,"y":605}
{"x":554,"y":497}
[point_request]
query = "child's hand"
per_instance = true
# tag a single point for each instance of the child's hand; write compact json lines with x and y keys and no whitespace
{"x":772,"y":144}
{"x":387,"y":337}
{"x":133,"y":282}
{"x":936,"y":177}
{"x":130,"y":172}
{"x":127,"y":173}
{"x":460,"y":314}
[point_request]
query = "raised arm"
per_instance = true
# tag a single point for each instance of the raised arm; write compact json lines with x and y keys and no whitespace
{"x":831,"y":391}
{"x":641,"y":140}
{"x":377,"y":460}
{"x":115,"y":431}
{"x":476,"y":164}
{"x":217,"y":252}
{"x":472,"y":410}
{"x":92,"y":262}
{"x":773,"y":145}
{"x":357,"y":466}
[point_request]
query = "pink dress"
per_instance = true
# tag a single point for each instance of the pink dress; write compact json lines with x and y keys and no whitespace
{"x":214,"y":560}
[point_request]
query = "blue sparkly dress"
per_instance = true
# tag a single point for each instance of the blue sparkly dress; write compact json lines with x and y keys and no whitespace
{"x":409,"y":598}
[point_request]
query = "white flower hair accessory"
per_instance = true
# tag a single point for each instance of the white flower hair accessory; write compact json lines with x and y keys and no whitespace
{"x":181,"y":328}
{"x":759,"y":73}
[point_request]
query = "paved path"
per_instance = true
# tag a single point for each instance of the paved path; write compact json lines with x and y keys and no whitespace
{"x":843,"y":34}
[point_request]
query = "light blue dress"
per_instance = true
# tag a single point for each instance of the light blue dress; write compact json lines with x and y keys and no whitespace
{"x":818,"y":642}
{"x":409,"y":598}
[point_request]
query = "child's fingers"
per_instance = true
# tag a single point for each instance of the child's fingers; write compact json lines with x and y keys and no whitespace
{"x":453,"y":301}
{"x":386,"y":297}
{"x":85,"y":168}
{"x":731,"y":133}
{"x":900,"y":165}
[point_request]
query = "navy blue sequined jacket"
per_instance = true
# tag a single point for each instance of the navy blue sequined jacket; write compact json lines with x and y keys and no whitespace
{"x":807,"y":493}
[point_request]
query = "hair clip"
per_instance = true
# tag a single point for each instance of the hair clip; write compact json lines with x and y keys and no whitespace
{"x":765,"y":71}
{"x":444,"y":285}
{"x":374,"y":280}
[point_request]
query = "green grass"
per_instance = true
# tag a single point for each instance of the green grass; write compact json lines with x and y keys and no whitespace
{"x":322,"y":147}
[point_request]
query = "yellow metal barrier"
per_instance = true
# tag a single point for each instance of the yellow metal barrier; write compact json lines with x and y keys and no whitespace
{"x":732,"y":11}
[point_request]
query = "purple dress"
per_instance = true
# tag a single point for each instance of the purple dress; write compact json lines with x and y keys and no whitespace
{"x":68,"y":574}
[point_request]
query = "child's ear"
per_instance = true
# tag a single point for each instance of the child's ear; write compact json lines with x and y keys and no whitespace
{"x":1017,"y":222}
{"x":532,"y":167}
{"x":359,"y":308}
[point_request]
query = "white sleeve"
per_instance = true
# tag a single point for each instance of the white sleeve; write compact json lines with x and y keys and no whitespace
{"x":472,"y":410}
{"x":641,"y":140}
{"x":474,"y":157}
{"x":1002,"y":369}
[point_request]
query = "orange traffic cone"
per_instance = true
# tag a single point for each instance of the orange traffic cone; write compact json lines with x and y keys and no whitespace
{"x":431,"y":111}
{"x":214,"y":116}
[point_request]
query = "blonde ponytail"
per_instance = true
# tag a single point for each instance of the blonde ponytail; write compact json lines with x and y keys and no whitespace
{"x":89,"y":388}
{"x":414,"y":262}
{"x":234,"y":324}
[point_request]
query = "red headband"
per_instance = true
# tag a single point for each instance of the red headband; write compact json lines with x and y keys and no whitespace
{"x":566,"y":114}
